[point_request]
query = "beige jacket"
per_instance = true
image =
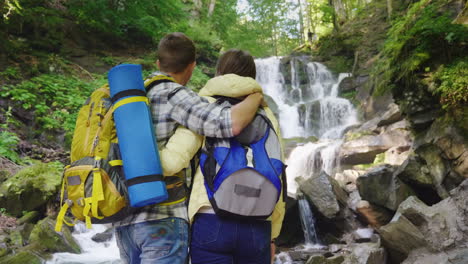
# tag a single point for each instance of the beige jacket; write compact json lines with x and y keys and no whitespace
{"x":184,"y":144}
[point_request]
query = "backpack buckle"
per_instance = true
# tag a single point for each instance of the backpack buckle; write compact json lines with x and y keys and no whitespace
{"x":97,"y":163}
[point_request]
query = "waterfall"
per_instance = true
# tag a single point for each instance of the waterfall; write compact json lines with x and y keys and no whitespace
{"x":92,"y":252}
{"x":307,"y":222}
{"x":306,"y":97}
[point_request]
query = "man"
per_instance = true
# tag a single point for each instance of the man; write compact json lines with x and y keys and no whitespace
{"x":159,"y":233}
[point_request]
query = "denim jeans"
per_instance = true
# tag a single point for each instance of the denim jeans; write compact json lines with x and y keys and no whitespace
{"x":160,"y":241}
{"x":222,"y":241}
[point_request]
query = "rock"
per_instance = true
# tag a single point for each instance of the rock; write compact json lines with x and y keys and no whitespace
{"x":452,"y":144}
{"x":43,"y":238}
{"x":30,"y":188}
{"x":439,"y":229}
{"x":367,"y":253}
{"x":104,"y":236}
{"x":29,"y":217}
{"x":364,"y":149}
{"x":320,"y":191}
{"x":382,"y":187}
{"x":423,"y":119}
{"x":391,"y":116}
{"x":22,"y":258}
{"x":335,"y":260}
{"x":316,"y":260}
{"x":396,"y":155}
{"x":401,"y":236}
{"x":362,"y":235}
{"x":376,"y":216}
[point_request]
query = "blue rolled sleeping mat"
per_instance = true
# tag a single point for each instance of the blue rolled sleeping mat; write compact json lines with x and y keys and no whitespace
{"x":134,"y":125}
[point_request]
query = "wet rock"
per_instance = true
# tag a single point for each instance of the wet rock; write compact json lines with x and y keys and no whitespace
{"x":104,"y":236}
{"x":320,"y":192}
{"x":43,"y":238}
{"x":391,"y":116}
{"x":382,"y":187}
{"x":291,"y":230}
{"x":22,"y":258}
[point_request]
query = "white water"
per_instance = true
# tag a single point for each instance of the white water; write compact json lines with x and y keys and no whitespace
{"x":308,"y":222}
{"x":92,"y":252}
{"x":308,"y":105}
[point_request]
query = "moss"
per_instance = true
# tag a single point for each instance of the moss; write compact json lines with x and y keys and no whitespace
{"x":43,"y":238}
{"x":31,"y":187}
{"x":378,"y":160}
{"x":22,"y":258}
{"x":357,"y":134}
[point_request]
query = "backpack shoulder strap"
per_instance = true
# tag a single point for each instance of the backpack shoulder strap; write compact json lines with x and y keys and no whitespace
{"x":156,"y":80}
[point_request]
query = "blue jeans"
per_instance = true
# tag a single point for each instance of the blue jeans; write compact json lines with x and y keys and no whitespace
{"x":222,"y":241}
{"x":160,"y":241}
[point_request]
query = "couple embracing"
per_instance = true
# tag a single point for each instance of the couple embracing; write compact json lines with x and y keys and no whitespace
{"x":230,"y":106}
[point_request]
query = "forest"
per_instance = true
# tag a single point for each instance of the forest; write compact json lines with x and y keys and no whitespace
{"x":411,"y":55}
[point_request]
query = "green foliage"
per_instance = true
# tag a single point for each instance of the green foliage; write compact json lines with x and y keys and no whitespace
{"x":10,"y":73}
{"x":8,"y":7}
{"x":8,"y":140}
{"x":198,"y":79}
{"x":55,"y":99}
{"x":139,"y":19}
{"x":452,"y":84}
{"x":423,"y":37}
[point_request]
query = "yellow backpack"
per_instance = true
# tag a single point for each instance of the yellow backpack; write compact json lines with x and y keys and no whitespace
{"x":93,"y":185}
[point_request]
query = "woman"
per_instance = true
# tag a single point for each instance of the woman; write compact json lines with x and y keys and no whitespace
{"x":224,"y":240}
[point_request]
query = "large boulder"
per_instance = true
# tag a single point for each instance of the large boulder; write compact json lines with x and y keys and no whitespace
{"x":324,"y":193}
{"x":364,"y":149}
{"x":452,"y":143}
{"x":440,"y":228}
{"x":45,"y":240}
{"x":31,"y":188}
{"x":380,"y":186}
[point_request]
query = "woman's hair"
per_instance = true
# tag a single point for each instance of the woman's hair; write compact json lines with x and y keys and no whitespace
{"x":238,"y":62}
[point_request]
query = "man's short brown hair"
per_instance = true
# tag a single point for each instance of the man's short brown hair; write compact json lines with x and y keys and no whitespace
{"x":175,"y":52}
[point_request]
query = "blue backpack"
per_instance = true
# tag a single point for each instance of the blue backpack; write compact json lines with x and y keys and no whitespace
{"x":235,"y":187}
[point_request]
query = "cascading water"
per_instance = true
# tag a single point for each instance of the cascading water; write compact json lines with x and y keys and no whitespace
{"x":307,"y":222}
{"x":306,"y":97}
{"x":92,"y":252}
{"x":307,"y":103}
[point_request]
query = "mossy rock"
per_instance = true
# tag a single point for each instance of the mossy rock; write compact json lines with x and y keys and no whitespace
{"x":30,"y":188}
{"x":29,"y":217}
{"x":43,"y":238}
{"x":22,"y":258}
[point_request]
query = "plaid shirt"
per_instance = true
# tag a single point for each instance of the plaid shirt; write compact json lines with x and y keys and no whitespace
{"x":173,"y":105}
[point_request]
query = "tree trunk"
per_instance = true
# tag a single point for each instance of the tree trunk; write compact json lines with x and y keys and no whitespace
{"x":211,"y":7}
{"x":301,"y":20}
{"x":389,"y":9}
{"x":197,"y":6}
